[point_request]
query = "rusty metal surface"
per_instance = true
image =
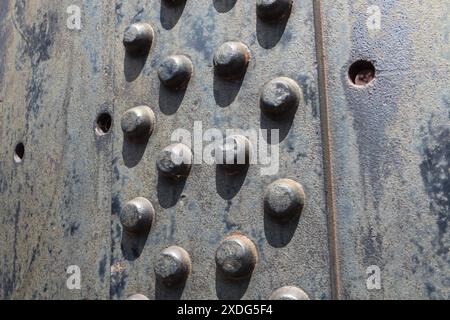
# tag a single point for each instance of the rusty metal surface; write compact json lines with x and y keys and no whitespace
{"x":200,"y":213}
{"x":55,"y":205}
{"x":372,"y":160}
{"x":390,"y":144}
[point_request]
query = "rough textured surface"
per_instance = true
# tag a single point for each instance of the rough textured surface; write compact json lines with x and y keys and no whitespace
{"x":390,"y":149}
{"x":55,"y":205}
{"x":199,"y":213}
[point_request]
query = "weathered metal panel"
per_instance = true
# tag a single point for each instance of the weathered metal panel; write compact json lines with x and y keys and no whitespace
{"x":55,"y":205}
{"x":390,"y":144}
{"x":199,"y":214}
{"x":373,"y":160}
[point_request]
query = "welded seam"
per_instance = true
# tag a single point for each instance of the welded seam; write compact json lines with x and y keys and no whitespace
{"x":327,"y":151}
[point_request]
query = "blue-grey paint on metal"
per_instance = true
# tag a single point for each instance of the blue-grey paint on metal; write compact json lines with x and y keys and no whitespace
{"x":373,"y":160}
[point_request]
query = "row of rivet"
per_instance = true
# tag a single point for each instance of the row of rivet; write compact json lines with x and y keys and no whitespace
{"x":284,"y":201}
{"x":230,"y":61}
{"x":236,"y":257}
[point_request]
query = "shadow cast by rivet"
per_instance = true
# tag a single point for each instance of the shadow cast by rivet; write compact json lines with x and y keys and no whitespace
{"x":282,"y":123}
{"x":225,"y":90}
{"x":270,"y":33}
{"x":133,"y":151}
{"x":169,"y":191}
{"x":133,"y":66}
{"x":171,"y":13}
{"x":228,"y":186}
{"x":164,"y":293}
{"x":170,"y":100}
{"x":224,"y":6}
{"x":227,"y":289}
{"x":279,"y":234}
{"x":133,"y":244}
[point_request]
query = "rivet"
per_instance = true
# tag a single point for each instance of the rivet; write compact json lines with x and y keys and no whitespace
{"x":284,"y":199}
{"x":176,"y":71}
{"x":231,"y":60}
{"x":280,"y":96}
{"x":236,"y":257}
{"x":137,"y":215}
{"x":175,"y":161}
{"x":137,"y":297}
{"x":289,"y":293}
{"x":173,"y":266}
{"x":273,"y":10}
{"x":138,"y":38}
{"x":234,"y":154}
{"x":138,"y":123}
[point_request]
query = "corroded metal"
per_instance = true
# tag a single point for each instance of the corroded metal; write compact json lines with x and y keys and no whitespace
{"x":284,"y":200}
{"x":390,"y":148}
{"x":175,"y":161}
{"x":138,"y":38}
{"x":55,"y":207}
{"x":138,"y":123}
{"x":360,"y":99}
{"x":202,"y":209}
{"x":176,"y":71}
{"x":231,"y":60}
{"x":173,"y":266}
{"x":236,"y":257}
{"x":280,"y":96}
{"x":137,"y":215}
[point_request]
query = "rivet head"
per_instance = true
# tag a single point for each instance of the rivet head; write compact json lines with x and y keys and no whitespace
{"x":231,"y":60}
{"x":234,"y":154}
{"x":284,"y":199}
{"x":137,"y":215}
{"x":175,"y":161}
{"x":273,"y":10}
{"x":289,"y":293}
{"x":138,"y":122}
{"x":137,"y":297}
{"x":175,"y":71}
{"x":236,"y":257}
{"x":280,"y":96}
{"x":138,"y":38}
{"x":173,"y":266}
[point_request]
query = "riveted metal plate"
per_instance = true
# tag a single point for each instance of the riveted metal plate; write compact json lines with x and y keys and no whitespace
{"x":371,"y":158}
{"x":200,"y":212}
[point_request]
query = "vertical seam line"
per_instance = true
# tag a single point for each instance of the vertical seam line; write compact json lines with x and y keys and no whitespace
{"x":327,"y":151}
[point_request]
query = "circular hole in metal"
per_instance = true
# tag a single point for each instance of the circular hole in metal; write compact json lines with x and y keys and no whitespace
{"x":19,"y":152}
{"x":104,"y":123}
{"x":362,"y":72}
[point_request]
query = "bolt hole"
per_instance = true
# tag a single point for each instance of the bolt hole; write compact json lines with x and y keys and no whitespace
{"x":19,"y":152}
{"x":362,"y":72}
{"x":104,"y":122}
